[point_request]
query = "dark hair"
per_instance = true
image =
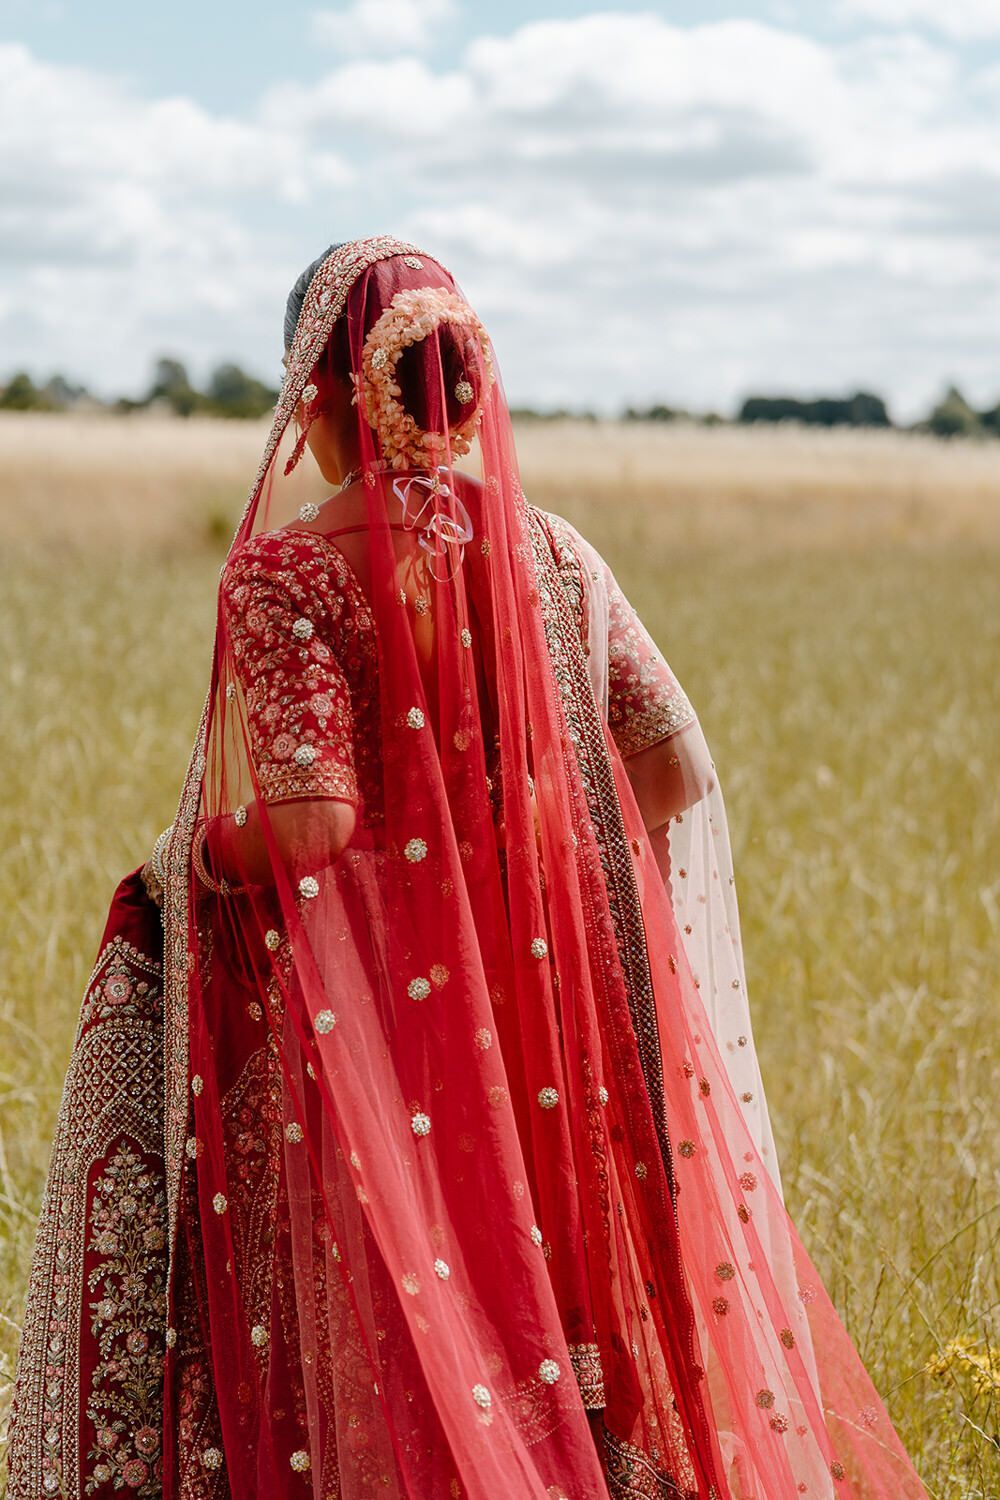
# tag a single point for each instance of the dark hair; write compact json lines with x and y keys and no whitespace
{"x":296,"y":297}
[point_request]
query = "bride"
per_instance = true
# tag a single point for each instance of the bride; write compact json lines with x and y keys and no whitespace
{"x":414,"y":1143}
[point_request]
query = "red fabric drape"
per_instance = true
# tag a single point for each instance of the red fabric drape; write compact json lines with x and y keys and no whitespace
{"x":450,"y":1150}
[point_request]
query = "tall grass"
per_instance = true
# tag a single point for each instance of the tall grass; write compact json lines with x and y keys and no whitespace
{"x":830,"y":605}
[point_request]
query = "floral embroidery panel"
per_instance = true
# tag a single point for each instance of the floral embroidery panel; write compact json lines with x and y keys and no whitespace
{"x":303,"y":646}
{"x":93,"y":1334}
{"x":646,"y":703}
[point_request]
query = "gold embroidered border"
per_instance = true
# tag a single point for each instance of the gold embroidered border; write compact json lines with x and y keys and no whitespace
{"x":560,"y":614}
{"x":589,"y":1373}
{"x":112,"y":1097}
{"x":632,"y":1474}
{"x":657,"y":723}
{"x":280,"y":783}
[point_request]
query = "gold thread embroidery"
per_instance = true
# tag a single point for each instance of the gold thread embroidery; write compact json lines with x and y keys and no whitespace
{"x":110,"y":1113}
{"x":586,"y":1361}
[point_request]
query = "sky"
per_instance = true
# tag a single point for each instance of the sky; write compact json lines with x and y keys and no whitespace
{"x":682,"y":203}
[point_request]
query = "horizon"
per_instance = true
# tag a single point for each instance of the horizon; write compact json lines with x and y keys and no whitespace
{"x":157,"y":401}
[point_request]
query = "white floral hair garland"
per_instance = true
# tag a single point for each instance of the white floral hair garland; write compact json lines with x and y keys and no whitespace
{"x":412,"y":315}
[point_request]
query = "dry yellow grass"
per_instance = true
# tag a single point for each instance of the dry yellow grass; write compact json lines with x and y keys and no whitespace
{"x":830,"y":604}
{"x":153,"y":481}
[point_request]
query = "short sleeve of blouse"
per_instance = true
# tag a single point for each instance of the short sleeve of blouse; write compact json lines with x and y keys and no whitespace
{"x":646,"y":703}
{"x":278,"y":612}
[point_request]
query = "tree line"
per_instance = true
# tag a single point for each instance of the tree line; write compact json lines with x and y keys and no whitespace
{"x":232,"y":392}
{"x":952,"y":416}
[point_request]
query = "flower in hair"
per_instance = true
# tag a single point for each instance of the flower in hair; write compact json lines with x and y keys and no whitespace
{"x":412,"y":315}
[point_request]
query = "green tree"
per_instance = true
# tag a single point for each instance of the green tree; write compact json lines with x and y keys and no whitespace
{"x":860,"y":410}
{"x":954,"y":417}
{"x":61,"y":393}
{"x":659,"y":412}
{"x":171,"y":384}
{"x":21,"y":394}
{"x":991,"y":419}
{"x":234,"y":393}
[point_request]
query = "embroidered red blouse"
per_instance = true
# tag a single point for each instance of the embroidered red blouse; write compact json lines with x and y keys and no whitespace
{"x":304,"y":650}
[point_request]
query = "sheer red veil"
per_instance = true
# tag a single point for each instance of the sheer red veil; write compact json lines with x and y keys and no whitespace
{"x":452,"y":1151}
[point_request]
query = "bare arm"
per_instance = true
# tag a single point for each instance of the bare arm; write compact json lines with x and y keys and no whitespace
{"x":671,"y":775}
{"x":308,"y":834}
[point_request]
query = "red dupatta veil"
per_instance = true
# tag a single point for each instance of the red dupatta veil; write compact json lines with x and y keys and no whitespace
{"x":451,"y":1150}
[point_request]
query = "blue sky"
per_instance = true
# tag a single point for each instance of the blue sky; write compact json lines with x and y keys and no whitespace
{"x":647,"y":202}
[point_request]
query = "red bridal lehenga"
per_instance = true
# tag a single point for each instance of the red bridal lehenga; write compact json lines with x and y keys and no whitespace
{"x":413,"y":1142}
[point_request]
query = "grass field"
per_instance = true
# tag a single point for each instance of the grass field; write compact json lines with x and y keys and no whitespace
{"x":830,"y":604}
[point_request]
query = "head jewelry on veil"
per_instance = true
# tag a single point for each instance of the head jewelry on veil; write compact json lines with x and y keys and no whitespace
{"x":296,"y":297}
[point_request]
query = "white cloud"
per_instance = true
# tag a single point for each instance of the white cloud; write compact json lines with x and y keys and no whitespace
{"x":385,"y":101}
{"x":123,"y":222}
{"x":648,"y":209}
{"x":383,"y":25}
{"x":962,"y":20}
{"x":641,"y":210}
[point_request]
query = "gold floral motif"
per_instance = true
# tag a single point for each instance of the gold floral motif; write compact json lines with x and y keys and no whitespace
{"x":128,"y":1231}
{"x":645,"y":702}
{"x":301,"y":709}
{"x":109,"y":1134}
{"x":634,"y":1475}
{"x":586,"y":1361}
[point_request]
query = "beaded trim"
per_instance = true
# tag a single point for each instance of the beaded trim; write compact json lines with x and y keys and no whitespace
{"x":586,"y":1361}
